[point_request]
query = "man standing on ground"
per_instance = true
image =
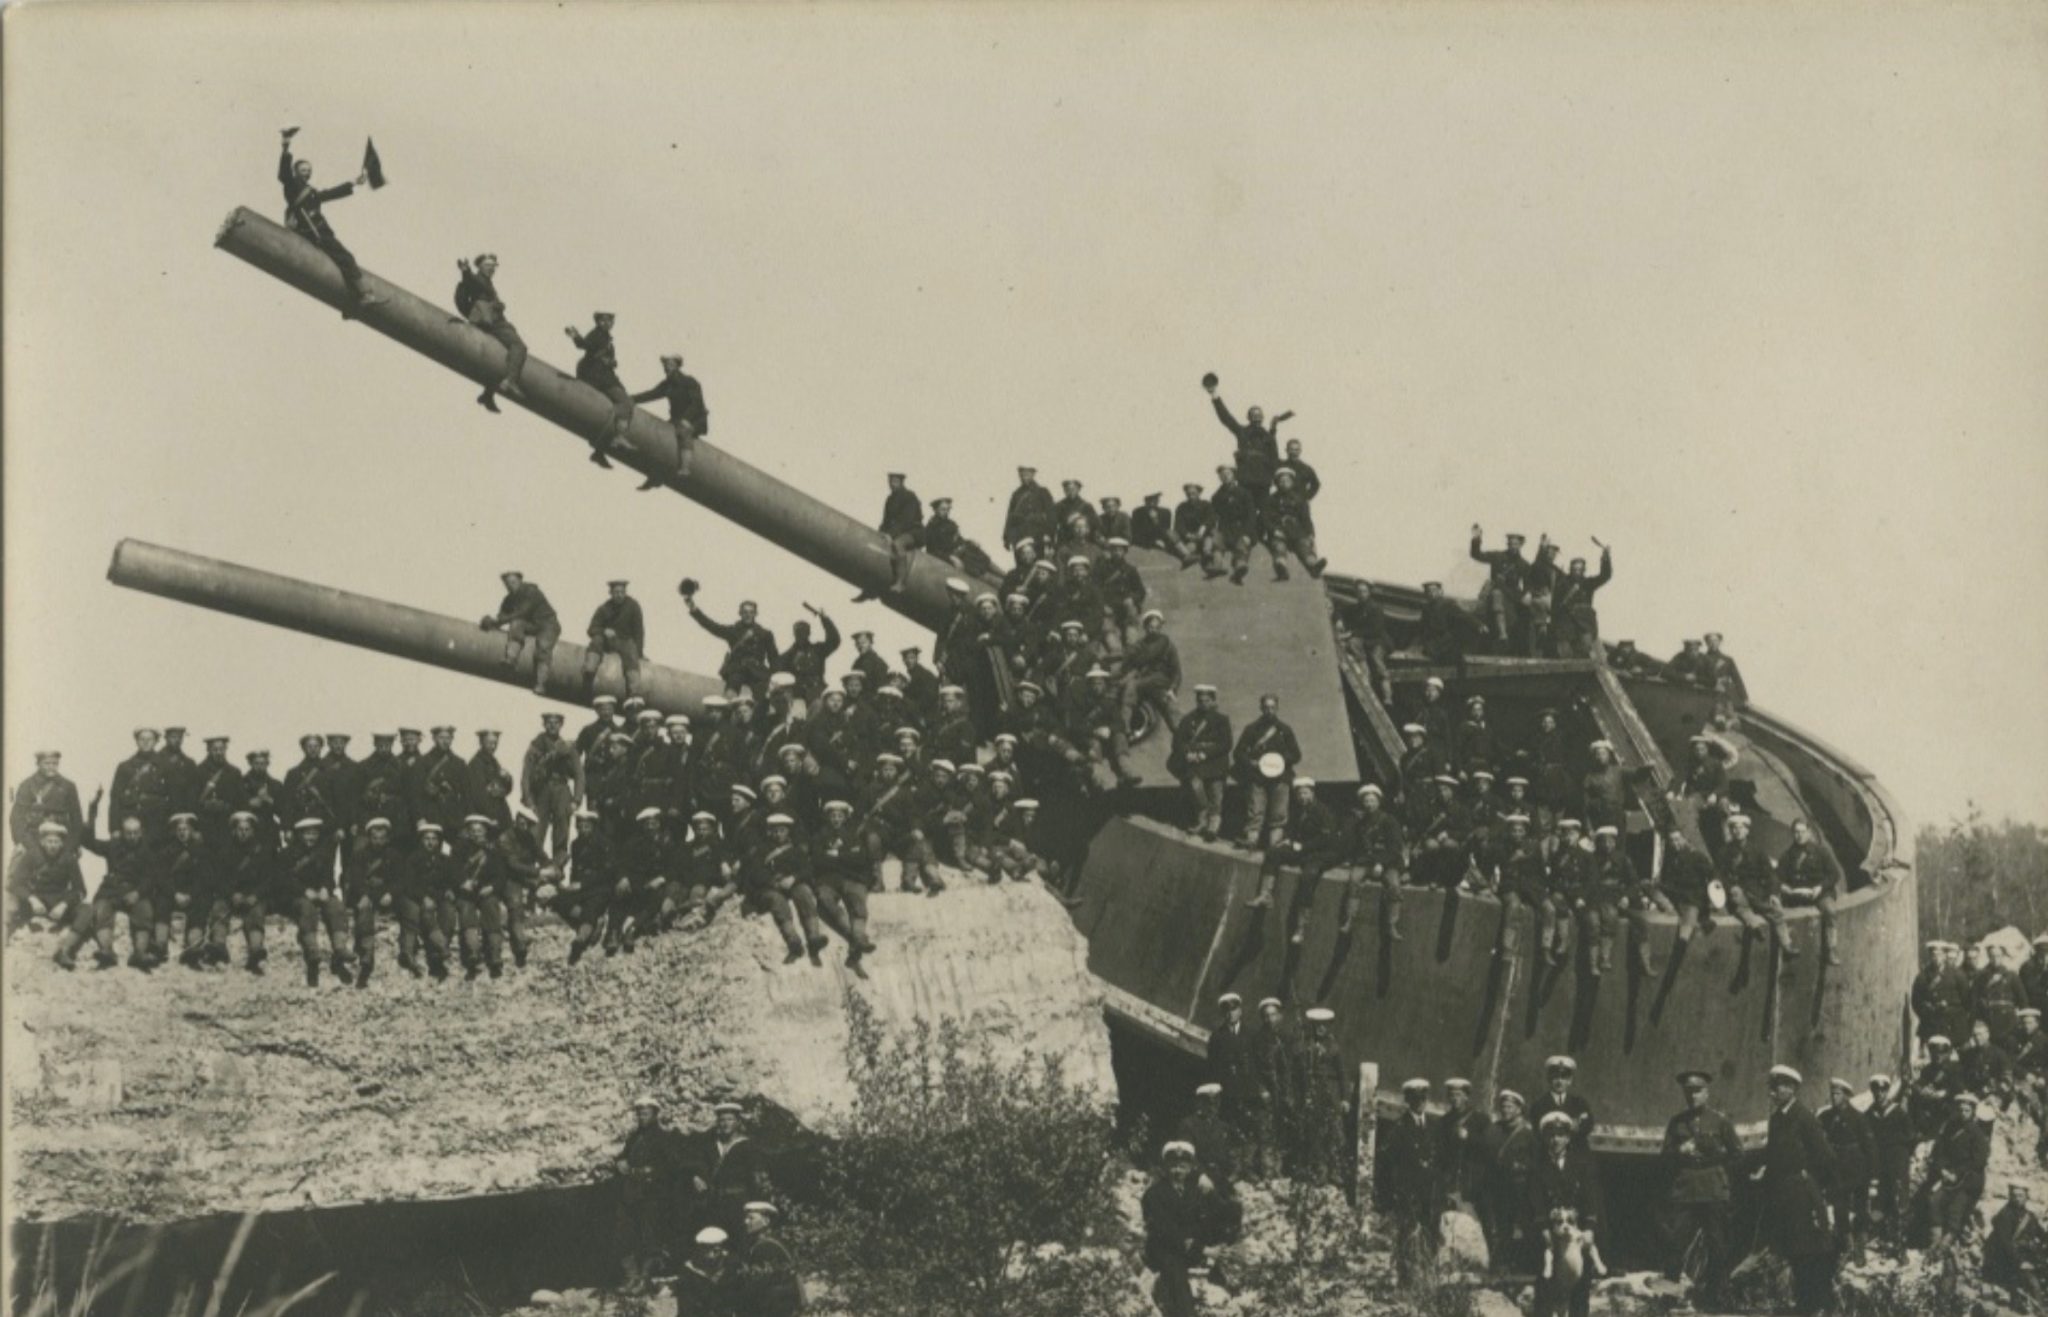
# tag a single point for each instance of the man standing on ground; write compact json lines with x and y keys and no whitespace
{"x":1796,"y":1175}
{"x":551,"y":784}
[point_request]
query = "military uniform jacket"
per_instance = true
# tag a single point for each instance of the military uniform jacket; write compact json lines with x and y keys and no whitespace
{"x":526,"y":604}
{"x":140,"y":788}
{"x":1366,"y":622}
{"x":1215,"y":1146}
{"x":1258,"y":453}
{"x":591,"y":863}
{"x":1233,"y":1063}
{"x":1685,"y":877}
{"x":1999,"y":998}
{"x":1798,"y":1169}
{"x":51,"y":881}
{"x":1287,"y":514}
{"x":1854,"y":1144}
{"x":249,"y":872}
{"x":1377,"y":841}
{"x":1463,"y":1153}
{"x":1571,"y":1104}
{"x":187,"y":871}
{"x":1151,"y":526}
{"x":1193,"y":518}
{"x":1574,"y":596}
{"x":685,"y":401}
{"x":302,"y":201}
{"x":1891,"y":1131}
{"x":621,"y":616}
{"x":41,"y":799}
{"x":1029,"y":515}
{"x":372,"y":873}
{"x":133,"y":868}
{"x":477,"y":289}
{"x":805,"y":660}
{"x":1962,"y":1151}
{"x":750,"y":651}
{"x":1201,"y":746}
{"x":1263,"y":736}
{"x":1307,"y":483}
{"x":1410,"y":1145}
{"x":1939,"y":1002}
{"x":308,"y":870}
{"x":1987,"y":1070}
{"x":490,"y":787}
{"x":1506,"y":569}
{"x":903,"y":514}
{"x":1179,"y":1223}
{"x":599,"y":364}
{"x":1236,"y":511}
{"x":219,"y":795}
{"x":1120,"y":582}
{"x":1573,"y":1183}
{"x":1152,"y":658}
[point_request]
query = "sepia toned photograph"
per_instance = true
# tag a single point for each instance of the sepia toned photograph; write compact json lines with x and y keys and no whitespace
{"x":1024,"y":659}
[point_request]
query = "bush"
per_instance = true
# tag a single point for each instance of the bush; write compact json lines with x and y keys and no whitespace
{"x":966,"y":1183}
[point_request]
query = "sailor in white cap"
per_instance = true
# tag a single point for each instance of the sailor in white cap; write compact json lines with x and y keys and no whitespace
{"x":1955,"y":1167}
{"x":1184,"y":1214}
{"x":1265,"y":757}
{"x":1095,"y":721}
{"x":702,"y":1282}
{"x":1288,"y":527}
{"x":1851,"y":1136}
{"x":1216,"y":1146}
{"x":1411,"y":1152}
{"x":1559,"y":1075}
{"x":1150,"y":673}
{"x":46,"y":888}
{"x":1312,"y":841}
{"x":1200,"y":757}
{"x":1896,"y":1142}
{"x":1797,"y":1164}
{"x":1381,"y":855}
{"x":1323,"y":1096}
{"x":646,"y":1163}
{"x":764,"y":1272}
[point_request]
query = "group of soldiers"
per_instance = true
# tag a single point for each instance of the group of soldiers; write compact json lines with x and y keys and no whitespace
{"x":695,"y":1215}
{"x":1536,"y":817}
{"x":1274,"y":1100}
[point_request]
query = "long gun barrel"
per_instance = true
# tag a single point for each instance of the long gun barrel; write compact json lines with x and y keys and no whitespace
{"x":408,"y":633}
{"x":731,"y":488}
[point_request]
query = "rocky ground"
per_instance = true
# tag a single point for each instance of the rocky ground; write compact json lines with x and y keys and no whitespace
{"x":159,"y":1097}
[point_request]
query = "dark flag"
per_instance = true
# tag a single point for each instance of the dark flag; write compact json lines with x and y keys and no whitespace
{"x":372,"y":166}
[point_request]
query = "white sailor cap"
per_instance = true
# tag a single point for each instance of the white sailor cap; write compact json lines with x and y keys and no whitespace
{"x":651,"y":812}
{"x":187,"y":816}
{"x":1209,"y":1090}
{"x":1416,"y":1085}
{"x":1230,"y":999}
{"x":427,"y":825}
{"x":1602,"y":744}
{"x":2028,"y":1012}
{"x":840,"y":805}
{"x":703,"y":814}
{"x":758,"y":1208}
{"x":603,"y":701}
{"x":1178,"y":1149}
{"x":1556,"y":1120}
{"x":50,"y":827}
{"x":955,"y":585}
{"x":1786,"y":1074}
{"x":1510,"y":1095}
{"x":1274,"y":1002}
{"x":308,"y":822}
{"x":1304,"y":781}
{"x":1881,"y":1081}
{"x":1435,"y":682}
{"x":1457,"y":1085}
{"x":720,"y":702}
{"x":1414,"y":729}
{"x":1370,"y":789}
{"x":781,"y":821}
{"x":238,"y":814}
{"x":950,"y":689}
{"x":1607,"y":830}
{"x":648,"y":717}
{"x":1204,"y":688}
{"x":711,"y":1235}
{"x":889,"y":757}
{"x":1554,"y":1064}
{"x":1319,"y":1014}
{"x":373,"y":823}
{"x":1117,"y":542}
{"x":1006,"y":738}
{"x":1027,"y":803}
{"x":1939,"y":1040}
{"x":647,"y":1100}
{"x":1097,"y":671}
{"x":1841,"y":1083}
{"x":967,"y":767}
{"x":780,"y":681}
{"x":788,"y":748}
{"x":677,"y":720}
{"x":742,"y":789}
{"x":587,"y":814}
{"x":484,"y":819}
{"x":1573,"y":824}
{"x":1517,"y":781}
{"x":945,"y":764}
{"x":726,"y":1109}
{"x":1078,"y":560}
{"x":1151,"y":613}
{"x":774,"y":780}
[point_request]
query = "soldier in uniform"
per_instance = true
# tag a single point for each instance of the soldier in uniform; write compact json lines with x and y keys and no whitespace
{"x":131,"y":886}
{"x":1323,"y":1101}
{"x":1443,"y":627}
{"x":1258,"y":452}
{"x":1030,"y":514}
{"x":1235,"y":512}
{"x":606,"y":722}
{"x":599,"y":368}
{"x":551,"y":784}
{"x":750,"y":651}
{"x":1893,"y":1141}
{"x":1562,"y":1176}
{"x":1852,"y":1140}
{"x":1684,"y":666}
{"x":2000,"y":997}
{"x":526,"y":613}
{"x":1381,"y":856}
{"x":1955,"y":1171}
{"x":725,"y":1168}
{"x":305,"y":215}
{"x":617,"y":627}
{"x":1719,"y":674}
{"x":1500,"y":599}
{"x":1559,"y":1075}
{"x":1233,"y":1064}
{"x":44,"y":796}
{"x":141,"y":786}
{"x":490,"y":786}
{"x":1152,"y":527}
{"x":688,"y":417}
{"x":1752,"y":883}
{"x":1700,"y":1154}
{"x":1306,"y":481}
{"x":440,"y":788}
{"x":1286,"y":528}
{"x":1194,"y":531}
{"x":44,"y":884}
{"x":1184,"y":1216}
{"x":1265,"y":796}
{"x":425,"y":902}
{"x":308,"y":875}
{"x":1462,"y":1150}
{"x":805,"y":658}
{"x":1113,"y":523}
{"x":1511,"y":1152}
{"x":1312,"y":840}
{"x":1200,"y":758}
{"x":648,"y":1164}
{"x":2016,"y":1250}
{"x":1409,"y":1182}
{"x":370,"y":884}
{"x":1797,"y":1174}
{"x":702,"y":1283}
{"x":1362,"y":626}
{"x":1576,"y":620}
{"x":1936,"y":1084}
{"x":1938,"y":996}
{"x":902,"y":527}
{"x":477,"y":301}
{"x":1810,"y":875}
{"x":480,"y":880}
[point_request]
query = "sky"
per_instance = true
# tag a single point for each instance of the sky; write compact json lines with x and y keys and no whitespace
{"x":1756,"y":294}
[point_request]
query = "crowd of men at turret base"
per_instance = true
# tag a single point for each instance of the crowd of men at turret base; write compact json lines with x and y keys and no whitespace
{"x":1904,"y":1166}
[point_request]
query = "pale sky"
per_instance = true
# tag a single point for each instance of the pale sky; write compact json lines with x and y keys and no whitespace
{"x":1758,"y":294}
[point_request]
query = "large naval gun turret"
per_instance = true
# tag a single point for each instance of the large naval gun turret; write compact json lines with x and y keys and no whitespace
{"x":1165,"y":913}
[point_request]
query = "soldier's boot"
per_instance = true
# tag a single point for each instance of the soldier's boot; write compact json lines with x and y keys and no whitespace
{"x":1390,"y":914}
{"x":541,"y":668}
{"x":343,"y":969}
{"x":1297,"y":926}
{"x":437,"y":967}
{"x":409,"y":963}
{"x":519,"y":953}
{"x":1346,"y":913}
{"x":1264,"y":897}
{"x":1830,"y":948}
{"x":1280,"y":570}
{"x":105,"y":959}
{"x":1644,"y":964}
{"x":1784,"y":939}
{"x":312,"y":971}
{"x":66,"y":957}
{"x":1237,"y":572}
{"x":488,"y":399}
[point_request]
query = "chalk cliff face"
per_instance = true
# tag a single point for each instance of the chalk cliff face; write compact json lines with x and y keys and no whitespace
{"x":164,"y":1096}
